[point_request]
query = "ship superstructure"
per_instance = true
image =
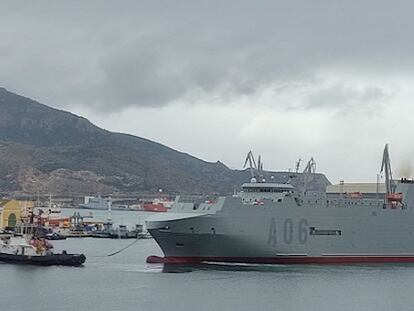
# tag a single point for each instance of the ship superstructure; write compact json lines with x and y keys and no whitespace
{"x":268,"y":222}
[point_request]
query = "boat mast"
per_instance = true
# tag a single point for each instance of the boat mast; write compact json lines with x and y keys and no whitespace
{"x":109,"y":210}
{"x":50,"y":202}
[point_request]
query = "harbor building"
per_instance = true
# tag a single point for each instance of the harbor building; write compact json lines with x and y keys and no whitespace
{"x":11,"y":212}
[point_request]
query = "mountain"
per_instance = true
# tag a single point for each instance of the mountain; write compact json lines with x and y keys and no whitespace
{"x":43,"y":149}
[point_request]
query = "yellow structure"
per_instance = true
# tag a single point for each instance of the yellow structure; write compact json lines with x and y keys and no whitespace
{"x":11,"y":212}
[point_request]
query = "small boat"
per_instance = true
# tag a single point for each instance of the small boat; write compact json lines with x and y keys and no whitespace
{"x":160,"y":205}
{"x":55,"y":236}
{"x":155,"y":207}
{"x":26,"y":247}
{"x":63,"y":259}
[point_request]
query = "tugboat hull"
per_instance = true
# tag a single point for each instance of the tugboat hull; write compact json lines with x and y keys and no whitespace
{"x":73,"y":260}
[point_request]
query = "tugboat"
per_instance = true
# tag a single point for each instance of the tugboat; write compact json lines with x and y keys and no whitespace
{"x":27,"y":247}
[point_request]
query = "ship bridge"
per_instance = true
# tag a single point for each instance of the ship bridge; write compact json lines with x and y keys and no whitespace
{"x":267,"y":187}
{"x":255,"y":193}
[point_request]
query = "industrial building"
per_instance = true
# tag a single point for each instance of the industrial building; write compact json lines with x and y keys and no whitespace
{"x":11,"y":212}
{"x":365,"y":190}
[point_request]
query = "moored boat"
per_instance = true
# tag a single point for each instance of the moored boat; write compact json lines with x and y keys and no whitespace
{"x":161,"y":204}
{"x":55,"y":236}
{"x":101,"y":203}
{"x":25,"y":247}
{"x":155,"y":207}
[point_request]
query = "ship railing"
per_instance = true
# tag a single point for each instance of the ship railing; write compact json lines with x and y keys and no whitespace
{"x":349,"y":202}
{"x":195,"y":199}
{"x":24,"y":229}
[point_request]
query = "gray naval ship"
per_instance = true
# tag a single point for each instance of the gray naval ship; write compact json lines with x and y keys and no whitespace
{"x":279,"y":223}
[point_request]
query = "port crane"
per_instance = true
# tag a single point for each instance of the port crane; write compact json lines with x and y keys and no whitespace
{"x":297,"y":165}
{"x":391,"y":197}
{"x":256,"y":170}
{"x":386,"y":168}
{"x":307,"y":177}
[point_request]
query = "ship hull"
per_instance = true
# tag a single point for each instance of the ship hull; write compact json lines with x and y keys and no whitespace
{"x":340,"y":260}
{"x":73,"y":260}
{"x":286,"y":233}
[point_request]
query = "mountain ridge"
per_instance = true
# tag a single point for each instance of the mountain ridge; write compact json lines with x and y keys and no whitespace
{"x":44,"y":149}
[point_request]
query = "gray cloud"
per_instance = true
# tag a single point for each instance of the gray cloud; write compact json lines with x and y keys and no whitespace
{"x":152,"y":53}
{"x":346,"y":99}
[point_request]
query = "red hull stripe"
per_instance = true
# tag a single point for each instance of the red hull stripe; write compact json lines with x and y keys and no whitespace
{"x":326,"y":260}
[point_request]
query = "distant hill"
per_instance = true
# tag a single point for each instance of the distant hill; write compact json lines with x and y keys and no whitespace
{"x":43,"y":149}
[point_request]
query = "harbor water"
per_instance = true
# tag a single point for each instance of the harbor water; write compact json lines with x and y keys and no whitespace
{"x":126,"y":282}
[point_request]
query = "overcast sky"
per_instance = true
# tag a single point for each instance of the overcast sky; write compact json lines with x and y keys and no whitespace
{"x":286,"y":79}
